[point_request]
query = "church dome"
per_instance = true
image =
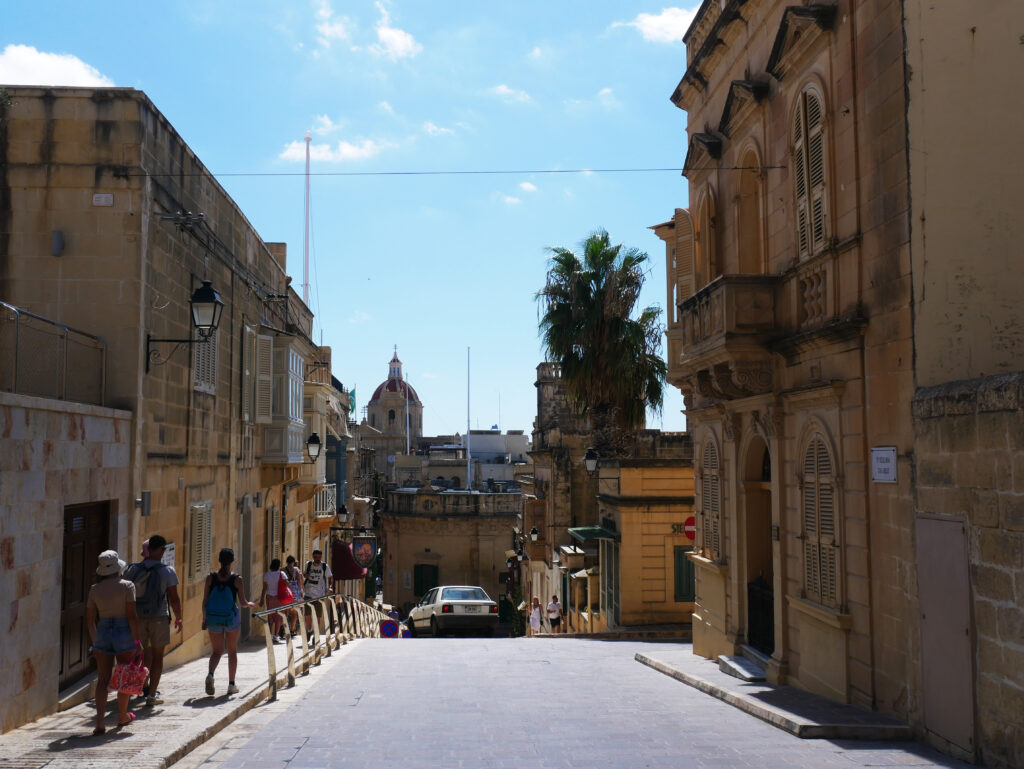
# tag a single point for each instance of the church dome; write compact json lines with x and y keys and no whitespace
{"x":395,"y":383}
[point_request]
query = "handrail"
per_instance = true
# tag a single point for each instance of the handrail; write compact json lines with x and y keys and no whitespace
{"x":64,"y":364}
{"x":350,"y":618}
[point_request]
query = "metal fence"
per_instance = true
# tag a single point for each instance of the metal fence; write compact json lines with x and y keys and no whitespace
{"x":345,"y":618}
{"x":43,"y":358}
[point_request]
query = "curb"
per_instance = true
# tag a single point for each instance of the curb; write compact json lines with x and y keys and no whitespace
{"x":799,"y":727}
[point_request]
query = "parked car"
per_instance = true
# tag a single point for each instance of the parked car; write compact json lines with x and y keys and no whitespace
{"x":453,"y":607}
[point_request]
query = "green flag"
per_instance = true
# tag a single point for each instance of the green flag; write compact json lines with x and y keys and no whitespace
{"x":352,"y":403}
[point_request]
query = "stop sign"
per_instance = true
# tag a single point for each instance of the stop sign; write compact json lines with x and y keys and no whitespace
{"x":690,"y":528}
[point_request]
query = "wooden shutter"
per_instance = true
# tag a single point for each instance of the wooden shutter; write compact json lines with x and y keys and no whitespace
{"x":204,"y":364}
{"x":711,"y":502}
{"x":816,"y":170}
{"x":820,"y":545}
{"x":264,"y":378}
{"x":200,"y":536}
{"x":248,"y":374}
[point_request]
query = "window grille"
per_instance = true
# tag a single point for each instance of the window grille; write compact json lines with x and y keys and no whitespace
{"x":821,"y":547}
{"x":200,"y":539}
{"x":711,"y":504}
{"x":809,"y":174}
{"x":204,"y":364}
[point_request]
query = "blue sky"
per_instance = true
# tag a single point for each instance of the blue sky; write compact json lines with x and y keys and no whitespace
{"x":431,"y":263}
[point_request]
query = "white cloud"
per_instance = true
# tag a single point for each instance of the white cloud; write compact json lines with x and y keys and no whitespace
{"x":669,"y":26}
{"x":342,"y":152}
{"x":510,"y":94}
{"x":323,"y":125}
{"x":327,"y":29}
{"x":607,"y":98}
{"x":358,"y":316}
{"x":508,"y":200}
{"x":604,"y":98}
{"x":436,"y":130}
{"x":536,"y":54}
{"x":526,"y":186}
{"x":393,"y":42}
{"x":24,"y":65}
{"x":387,"y":108}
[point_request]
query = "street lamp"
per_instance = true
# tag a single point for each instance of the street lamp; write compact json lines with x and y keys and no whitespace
{"x":342,"y":514}
{"x":534,"y":534}
{"x":509,"y":562}
{"x":206,"y":307}
{"x":590,"y":460}
{"x":313,"y":447}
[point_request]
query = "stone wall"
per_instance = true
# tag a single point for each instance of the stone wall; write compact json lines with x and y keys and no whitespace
{"x":52,"y":454}
{"x":969,"y":461}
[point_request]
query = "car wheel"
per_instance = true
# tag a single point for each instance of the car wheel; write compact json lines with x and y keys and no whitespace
{"x":435,"y":631}
{"x":411,"y":627}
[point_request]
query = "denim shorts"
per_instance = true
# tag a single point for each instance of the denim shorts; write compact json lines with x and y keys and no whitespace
{"x":113,"y":636}
{"x":234,"y":624}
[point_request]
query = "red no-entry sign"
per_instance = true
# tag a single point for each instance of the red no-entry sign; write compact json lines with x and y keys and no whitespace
{"x":690,"y":528}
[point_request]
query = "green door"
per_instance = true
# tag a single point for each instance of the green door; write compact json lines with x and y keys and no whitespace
{"x":684,"y":577}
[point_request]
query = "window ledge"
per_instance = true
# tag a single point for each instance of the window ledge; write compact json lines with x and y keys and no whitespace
{"x":825,"y":615}
{"x":706,"y":563}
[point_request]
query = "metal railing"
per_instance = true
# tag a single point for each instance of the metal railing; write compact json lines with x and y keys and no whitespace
{"x":348,"y":618}
{"x":326,"y":502}
{"x":43,"y":358}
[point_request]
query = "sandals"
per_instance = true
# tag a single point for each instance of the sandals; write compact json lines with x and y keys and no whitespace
{"x":131,"y":717}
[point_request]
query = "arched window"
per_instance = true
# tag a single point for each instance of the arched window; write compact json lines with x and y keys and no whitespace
{"x":809,"y":173}
{"x":748,"y":216}
{"x":391,"y":417}
{"x":706,"y":242}
{"x":821,"y":546}
{"x":711,"y":503}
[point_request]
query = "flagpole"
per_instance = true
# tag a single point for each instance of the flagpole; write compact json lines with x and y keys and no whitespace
{"x":469,"y":451}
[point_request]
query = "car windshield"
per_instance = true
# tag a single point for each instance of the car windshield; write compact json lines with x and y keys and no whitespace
{"x":464,"y":594}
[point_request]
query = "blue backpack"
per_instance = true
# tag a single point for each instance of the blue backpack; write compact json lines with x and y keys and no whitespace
{"x":220,"y":604}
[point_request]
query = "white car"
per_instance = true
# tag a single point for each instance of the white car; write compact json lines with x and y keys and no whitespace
{"x":453,"y":607}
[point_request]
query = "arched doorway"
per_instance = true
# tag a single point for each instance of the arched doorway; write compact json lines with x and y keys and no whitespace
{"x":757,"y":477}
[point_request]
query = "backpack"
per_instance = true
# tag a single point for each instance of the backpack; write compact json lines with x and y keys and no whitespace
{"x":148,"y":591}
{"x":220,"y":604}
{"x":284,"y":593}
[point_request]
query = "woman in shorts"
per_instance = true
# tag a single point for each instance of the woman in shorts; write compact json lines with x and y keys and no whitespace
{"x":224,"y":594}
{"x":111,"y":621}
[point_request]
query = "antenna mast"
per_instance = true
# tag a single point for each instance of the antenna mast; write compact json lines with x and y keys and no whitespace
{"x":305,"y":239}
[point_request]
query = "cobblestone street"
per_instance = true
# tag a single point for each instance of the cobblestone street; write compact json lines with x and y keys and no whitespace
{"x":528,"y":704}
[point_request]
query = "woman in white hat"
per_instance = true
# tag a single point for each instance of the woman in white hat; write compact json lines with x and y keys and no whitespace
{"x":110,"y":618}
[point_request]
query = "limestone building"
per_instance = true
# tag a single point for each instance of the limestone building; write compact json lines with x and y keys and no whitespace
{"x":844,"y":326}
{"x":108,"y":224}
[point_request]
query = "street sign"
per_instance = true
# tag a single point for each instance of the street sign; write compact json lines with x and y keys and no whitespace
{"x":388,"y":628}
{"x":690,"y":528}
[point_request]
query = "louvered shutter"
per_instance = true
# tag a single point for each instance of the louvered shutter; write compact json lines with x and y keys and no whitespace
{"x":248,"y":373}
{"x":204,"y":364}
{"x":816,"y":170}
{"x":800,"y":184}
{"x":711,"y":523}
{"x":820,"y":545}
{"x":264,"y":377}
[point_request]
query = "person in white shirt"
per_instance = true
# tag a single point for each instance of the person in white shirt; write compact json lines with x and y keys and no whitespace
{"x":534,"y":610}
{"x":555,"y":615}
{"x":319,"y":582}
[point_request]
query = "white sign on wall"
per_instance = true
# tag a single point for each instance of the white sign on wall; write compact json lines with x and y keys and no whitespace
{"x":883,"y":464}
{"x":168,"y":559}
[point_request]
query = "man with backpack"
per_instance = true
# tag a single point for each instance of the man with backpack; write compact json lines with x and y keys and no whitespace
{"x":156,"y":593}
{"x":319,"y":581}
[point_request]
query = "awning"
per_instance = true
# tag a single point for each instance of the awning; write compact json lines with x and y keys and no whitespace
{"x":343,"y":564}
{"x":593,"y":571}
{"x":584,"y":533}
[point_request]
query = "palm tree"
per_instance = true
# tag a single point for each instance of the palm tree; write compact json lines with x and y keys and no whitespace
{"x":611,"y":363}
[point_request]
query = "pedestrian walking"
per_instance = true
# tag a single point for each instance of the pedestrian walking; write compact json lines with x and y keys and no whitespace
{"x":297,"y":584}
{"x":113,"y":629}
{"x":319,"y":582}
{"x":555,"y":615}
{"x":156,"y":595}
{"x":222,"y":597}
{"x":272,"y":579}
{"x":535,"y":616}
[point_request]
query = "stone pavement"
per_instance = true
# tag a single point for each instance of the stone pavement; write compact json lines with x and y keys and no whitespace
{"x":523,"y":704}
{"x":798,"y":712}
{"x":160,"y":734}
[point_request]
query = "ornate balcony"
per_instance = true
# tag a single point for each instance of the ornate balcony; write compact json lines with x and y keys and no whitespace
{"x":326,"y":503}
{"x":724,"y":331}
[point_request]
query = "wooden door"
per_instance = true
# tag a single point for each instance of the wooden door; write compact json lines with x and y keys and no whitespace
{"x":85,"y":537}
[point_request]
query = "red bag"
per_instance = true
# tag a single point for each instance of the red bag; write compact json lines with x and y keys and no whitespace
{"x":284,"y":593}
{"x":129,"y":677}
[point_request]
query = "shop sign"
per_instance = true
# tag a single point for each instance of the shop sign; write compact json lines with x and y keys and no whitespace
{"x":364,"y":550}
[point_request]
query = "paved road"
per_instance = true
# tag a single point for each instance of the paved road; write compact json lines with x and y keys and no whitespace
{"x":516,"y":703}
